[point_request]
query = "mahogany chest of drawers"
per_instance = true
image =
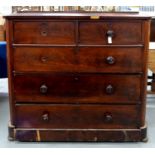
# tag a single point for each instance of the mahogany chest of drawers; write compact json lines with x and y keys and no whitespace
{"x":77,"y":76}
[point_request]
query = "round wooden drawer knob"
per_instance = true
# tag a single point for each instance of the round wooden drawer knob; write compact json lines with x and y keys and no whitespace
{"x":109,"y":89}
{"x":110,"y":60}
{"x":45,"y":117}
{"x":110,"y":33}
{"x":43,"y":89}
{"x":108,"y":118}
{"x":76,"y":78}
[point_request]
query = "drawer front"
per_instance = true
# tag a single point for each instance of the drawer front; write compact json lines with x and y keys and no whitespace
{"x":36,"y":32}
{"x":122,"y":32}
{"x":77,"y":88}
{"x":76,"y":116}
{"x":86,"y":59}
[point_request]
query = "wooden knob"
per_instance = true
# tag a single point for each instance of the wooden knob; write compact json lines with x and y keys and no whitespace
{"x":110,"y":60}
{"x":45,"y":117}
{"x":110,"y":33}
{"x":76,"y":78}
{"x":109,"y":89}
{"x":43,"y":89}
{"x":108,"y":118}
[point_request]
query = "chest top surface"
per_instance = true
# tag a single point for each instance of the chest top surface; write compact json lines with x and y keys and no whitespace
{"x":77,"y":15}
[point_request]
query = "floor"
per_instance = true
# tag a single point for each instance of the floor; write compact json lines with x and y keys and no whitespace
{"x":4,"y":118}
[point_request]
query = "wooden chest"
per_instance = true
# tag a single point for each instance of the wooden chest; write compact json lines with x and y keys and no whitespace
{"x":77,"y":76}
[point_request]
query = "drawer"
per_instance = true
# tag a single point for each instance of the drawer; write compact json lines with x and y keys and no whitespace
{"x":37,"y":32}
{"x":86,"y":59}
{"x":122,"y":32}
{"x":77,"y":88}
{"x":76,"y":116}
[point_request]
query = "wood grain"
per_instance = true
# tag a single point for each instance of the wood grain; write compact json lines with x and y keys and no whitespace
{"x":83,"y":59}
{"x":76,"y":116}
{"x":67,"y":83}
{"x":77,"y":88}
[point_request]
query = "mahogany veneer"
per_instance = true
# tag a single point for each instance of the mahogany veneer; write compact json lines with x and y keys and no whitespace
{"x":77,"y":76}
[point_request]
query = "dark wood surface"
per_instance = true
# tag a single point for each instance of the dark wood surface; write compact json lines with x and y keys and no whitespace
{"x":72,"y":135}
{"x":152,"y":31}
{"x":67,"y":81}
{"x":41,"y":32}
{"x":77,"y":88}
{"x":76,"y":116}
{"x":83,"y":59}
{"x":96,"y":32}
{"x":44,"y":32}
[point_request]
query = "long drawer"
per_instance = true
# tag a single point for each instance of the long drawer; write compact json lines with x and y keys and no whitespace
{"x":76,"y":116}
{"x":122,"y":32}
{"x":77,"y":88}
{"x":85,"y":59}
{"x":46,"y":32}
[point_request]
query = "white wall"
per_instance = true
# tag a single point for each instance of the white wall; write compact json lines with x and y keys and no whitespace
{"x":5,"y":10}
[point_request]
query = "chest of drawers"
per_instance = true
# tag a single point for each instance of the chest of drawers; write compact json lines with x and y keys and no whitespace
{"x":77,"y":76}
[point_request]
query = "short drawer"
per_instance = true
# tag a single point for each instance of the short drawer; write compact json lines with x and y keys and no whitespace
{"x":46,"y":32}
{"x":77,"y":88}
{"x":85,"y":59}
{"x":76,"y":116}
{"x":122,"y":32}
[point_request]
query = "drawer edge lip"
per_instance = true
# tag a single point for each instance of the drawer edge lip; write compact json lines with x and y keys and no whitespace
{"x":70,"y":129}
{"x":75,"y":45}
{"x":43,"y":45}
{"x":16,"y":73}
{"x":74,"y":104}
{"x":114,"y":45}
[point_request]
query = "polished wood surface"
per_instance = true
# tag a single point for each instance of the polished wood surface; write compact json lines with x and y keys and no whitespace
{"x":77,"y":88}
{"x":30,"y":32}
{"x":83,"y":59}
{"x":80,"y":135}
{"x":76,"y":116}
{"x":96,"y":32}
{"x":77,"y":76}
{"x":152,"y":31}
